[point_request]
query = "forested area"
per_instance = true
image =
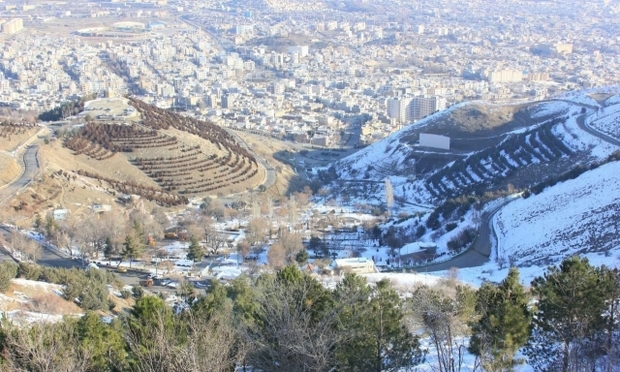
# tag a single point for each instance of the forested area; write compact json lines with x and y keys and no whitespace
{"x":66,"y":109}
{"x":288,"y":321}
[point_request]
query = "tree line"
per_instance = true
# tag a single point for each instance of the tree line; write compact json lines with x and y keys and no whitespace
{"x":288,"y":321}
{"x":66,"y":109}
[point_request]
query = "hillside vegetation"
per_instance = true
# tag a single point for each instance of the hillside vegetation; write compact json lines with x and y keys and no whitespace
{"x":182,"y":157}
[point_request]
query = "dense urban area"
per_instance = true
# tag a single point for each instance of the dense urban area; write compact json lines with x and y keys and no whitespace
{"x":289,"y":185}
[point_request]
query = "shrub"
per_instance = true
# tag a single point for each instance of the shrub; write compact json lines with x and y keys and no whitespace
{"x":138,"y":292}
{"x":126,"y":293}
{"x":451,"y":226}
{"x":29,"y":271}
{"x":8,"y":271}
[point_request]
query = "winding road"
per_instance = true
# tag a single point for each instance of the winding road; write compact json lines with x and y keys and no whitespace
{"x":30,"y":164}
{"x":480,"y":250}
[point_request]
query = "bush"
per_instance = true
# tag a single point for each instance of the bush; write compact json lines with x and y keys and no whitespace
{"x":451,"y":226}
{"x":138,"y":292}
{"x":126,"y":293}
{"x":29,"y":271}
{"x":8,"y":271}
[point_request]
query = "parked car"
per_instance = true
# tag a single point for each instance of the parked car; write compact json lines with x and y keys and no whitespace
{"x":200,"y":285}
{"x":165,"y":282}
{"x":172,"y":285}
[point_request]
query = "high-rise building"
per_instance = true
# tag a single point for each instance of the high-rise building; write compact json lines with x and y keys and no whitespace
{"x":397,"y":108}
{"x":12,"y":26}
{"x":405,"y":110}
{"x":421,"y":107}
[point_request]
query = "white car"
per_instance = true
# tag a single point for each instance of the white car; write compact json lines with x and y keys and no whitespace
{"x":165,"y":282}
{"x":172,"y":284}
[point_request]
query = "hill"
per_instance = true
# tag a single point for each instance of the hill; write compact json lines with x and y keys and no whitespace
{"x":164,"y":157}
{"x":574,"y":217}
{"x":492,"y":147}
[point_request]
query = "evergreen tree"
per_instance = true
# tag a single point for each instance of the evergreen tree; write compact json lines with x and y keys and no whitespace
{"x":373,"y":318}
{"x":38,"y":222}
{"x":105,"y":342}
{"x":109,"y":249}
{"x":504,"y":324}
{"x":301,"y":257}
{"x":132,"y":249}
{"x":571,"y":307}
{"x":196,"y":251}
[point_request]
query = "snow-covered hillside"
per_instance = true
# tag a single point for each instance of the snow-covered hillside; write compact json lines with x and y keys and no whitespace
{"x":574,"y":217}
{"x":546,"y":137}
{"x":607,"y":119}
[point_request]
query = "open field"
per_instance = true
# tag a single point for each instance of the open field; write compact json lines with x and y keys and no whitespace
{"x":12,"y":136}
{"x":9,"y":169}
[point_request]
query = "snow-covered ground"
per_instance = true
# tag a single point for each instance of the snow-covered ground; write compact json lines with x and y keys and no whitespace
{"x":607,"y":119}
{"x":574,"y":217}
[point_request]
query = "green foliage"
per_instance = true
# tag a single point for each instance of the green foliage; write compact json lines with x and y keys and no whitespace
{"x":137,"y":291}
{"x":29,"y":271}
{"x":216,"y":300}
{"x":302,"y":257}
{"x":66,"y":109}
{"x":133,"y":248}
{"x":571,"y":307}
{"x":243,"y":296}
{"x":105,"y":342}
{"x":126,"y":293}
{"x":8,"y":271}
{"x":504,"y":323}
{"x":375,"y":320}
{"x":196,"y":251}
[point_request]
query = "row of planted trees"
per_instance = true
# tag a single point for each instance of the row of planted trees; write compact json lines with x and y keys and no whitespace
{"x":288,"y":321}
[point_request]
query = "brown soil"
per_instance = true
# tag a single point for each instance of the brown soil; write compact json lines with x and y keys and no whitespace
{"x":265,"y":147}
{"x":13,"y":141}
{"x":10,"y":169}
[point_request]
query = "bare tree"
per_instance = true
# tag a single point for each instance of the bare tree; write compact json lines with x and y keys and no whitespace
{"x":256,"y":231}
{"x":214,"y":240}
{"x":44,"y":348}
{"x":288,"y":338}
{"x":192,"y":344}
{"x":276,"y":255}
{"x":445,"y":319}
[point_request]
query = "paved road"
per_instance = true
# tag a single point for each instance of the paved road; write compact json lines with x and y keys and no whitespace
{"x":581,"y":122}
{"x":270,"y":175}
{"x":30,"y":164}
{"x":480,"y":250}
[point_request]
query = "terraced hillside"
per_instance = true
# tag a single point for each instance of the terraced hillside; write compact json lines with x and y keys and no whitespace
{"x":183,"y":156}
{"x":520,"y":145}
{"x":479,"y":171}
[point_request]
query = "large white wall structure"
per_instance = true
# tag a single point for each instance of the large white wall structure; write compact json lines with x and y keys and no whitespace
{"x":435,"y":140}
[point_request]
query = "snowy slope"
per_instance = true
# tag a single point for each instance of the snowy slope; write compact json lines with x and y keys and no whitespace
{"x":574,"y":217}
{"x":607,"y":119}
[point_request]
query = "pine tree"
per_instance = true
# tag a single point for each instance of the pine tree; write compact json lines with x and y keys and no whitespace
{"x":373,"y":318}
{"x":504,"y":324}
{"x":108,"y":249}
{"x":132,"y":249}
{"x":196,"y":250}
{"x":571,"y":307}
